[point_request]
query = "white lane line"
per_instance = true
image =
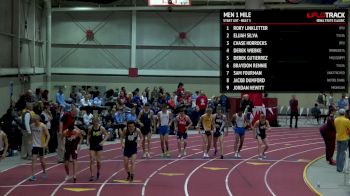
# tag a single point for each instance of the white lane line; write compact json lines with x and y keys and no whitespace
{"x":232,"y":169}
{"x":83,"y":183}
{"x":271,"y":166}
{"x":148,"y":179}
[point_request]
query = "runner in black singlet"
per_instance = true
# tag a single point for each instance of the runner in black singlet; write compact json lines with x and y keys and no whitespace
{"x":97,"y":136}
{"x":129,"y":141}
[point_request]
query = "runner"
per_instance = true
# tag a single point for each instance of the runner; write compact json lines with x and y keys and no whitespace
{"x":3,"y":144}
{"x":130,"y":144}
{"x":40,"y":138}
{"x":220,"y":121}
{"x":146,"y":123}
{"x":72,"y":139}
{"x":163,"y":123}
{"x":182,"y":123}
{"x":205,"y":126}
{"x":239,"y":122}
{"x":260,"y":128}
{"x":97,"y":136}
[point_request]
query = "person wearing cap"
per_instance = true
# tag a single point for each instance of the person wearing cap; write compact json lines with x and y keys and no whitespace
{"x":342,"y":126}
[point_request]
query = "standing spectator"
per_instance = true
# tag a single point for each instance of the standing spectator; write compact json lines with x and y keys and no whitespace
{"x":342,"y":125}
{"x":154,"y":94}
{"x":180,"y":92}
{"x":144,"y":98}
{"x":119,"y":119}
{"x":342,"y":103}
{"x":223,"y":101}
{"x":330,"y":101}
{"x":328,"y":134}
{"x":23,"y":100}
{"x":37,"y":96}
{"x":246,"y":103}
{"x":60,"y":98}
{"x":26,"y":148}
{"x":6,"y":125}
{"x":98,"y":100}
{"x":294,"y":111}
{"x":316,"y":112}
{"x":321,"y":98}
{"x":46,"y":117}
{"x":202,"y":103}
{"x":45,"y":95}
{"x":68,"y":119}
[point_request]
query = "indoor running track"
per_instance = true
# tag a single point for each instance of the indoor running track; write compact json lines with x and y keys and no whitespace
{"x":281,"y":174}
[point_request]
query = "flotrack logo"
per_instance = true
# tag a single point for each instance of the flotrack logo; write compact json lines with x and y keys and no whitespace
{"x":324,"y":15}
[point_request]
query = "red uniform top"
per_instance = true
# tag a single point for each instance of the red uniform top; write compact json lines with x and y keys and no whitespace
{"x":202,"y":102}
{"x":182,"y":123}
{"x":67,"y":119}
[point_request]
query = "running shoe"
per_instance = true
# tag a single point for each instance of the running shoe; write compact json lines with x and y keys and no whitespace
{"x":204,"y":155}
{"x":260,"y":158}
{"x":67,"y":178}
{"x":97,"y":175}
{"x":179,"y":156}
{"x":148,"y":155}
{"x":222,"y":157}
{"x":131,"y":177}
{"x":235,"y":155}
{"x":144,"y":155}
{"x":238,"y":155}
{"x":44,"y":175}
{"x":215,"y":152}
{"x":185,"y":153}
{"x":91,"y":178}
{"x":74,"y":180}
{"x":163,"y":155}
{"x":167,"y":154}
{"x":32,"y":178}
{"x":264,"y":156}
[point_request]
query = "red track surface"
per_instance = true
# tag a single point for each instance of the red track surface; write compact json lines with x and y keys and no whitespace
{"x":282,"y":174}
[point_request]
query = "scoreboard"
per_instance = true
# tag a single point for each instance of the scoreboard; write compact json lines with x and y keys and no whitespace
{"x":284,"y":50}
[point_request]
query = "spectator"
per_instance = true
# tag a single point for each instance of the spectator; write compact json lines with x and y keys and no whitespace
{"x":37,"y":96}
{"x":85,"y":102}
{"x":202,"y":103}
{"x":342,"y":103}
{"x":23,"y":100}
{"x":60,"y":98}
{"x":294,"y":111}
{"x":223,"y":101}
{"x":316,"y":112}
{"x":342,"y":126}
{"x":180,"y":92}
{"x":98,"y":100}
{"x":246,"y":103}
{"x":45,"y":95}
{"x":144,"y":98}
{"x":328,"y":134}
{"x":321,"y":98}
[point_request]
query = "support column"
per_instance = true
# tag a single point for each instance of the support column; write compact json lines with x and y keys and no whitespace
{"x":34,"y":35}
{"x":133,"y":40}
{"x":254,"y":4}
{"x":48,"y":44}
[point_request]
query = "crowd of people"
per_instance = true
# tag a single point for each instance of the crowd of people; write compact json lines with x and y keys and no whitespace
{"x":36,"y":126}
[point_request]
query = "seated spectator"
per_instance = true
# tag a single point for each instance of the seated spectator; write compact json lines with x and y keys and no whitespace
{"x":98,"y":100}
{"x":85,"y":101}
{"x":316,"y":112}
{"x":60,"y":98}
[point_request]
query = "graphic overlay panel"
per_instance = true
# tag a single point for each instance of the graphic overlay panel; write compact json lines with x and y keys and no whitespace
{"x":169,"y":2}
{"x":284,"y":50}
